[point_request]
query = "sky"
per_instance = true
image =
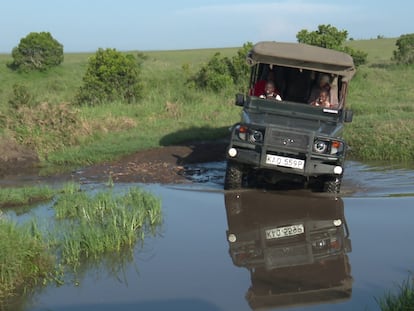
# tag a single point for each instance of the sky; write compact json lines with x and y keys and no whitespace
{"x":87,"y":25}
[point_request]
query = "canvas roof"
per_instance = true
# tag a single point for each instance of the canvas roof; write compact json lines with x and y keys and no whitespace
{"x":303,"y":56}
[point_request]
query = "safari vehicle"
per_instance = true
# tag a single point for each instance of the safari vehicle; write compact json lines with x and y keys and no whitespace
{"x":294,"y":246}
{"x":289,"y":139}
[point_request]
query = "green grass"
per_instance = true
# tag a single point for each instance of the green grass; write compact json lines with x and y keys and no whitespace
{"x":402,"y":300}
{"x":24,"y":259}
{"x":170,"y":112}
{"x":103,"y":223}
{"x":87,"y":228}
{"x":10,"y":197}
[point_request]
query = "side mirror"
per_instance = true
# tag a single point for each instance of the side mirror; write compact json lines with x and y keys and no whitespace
{"x":239,"y":99}
{"x":349,"y":114}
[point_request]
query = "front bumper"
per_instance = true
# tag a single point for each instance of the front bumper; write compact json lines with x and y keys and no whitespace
{"x":255,"y":156}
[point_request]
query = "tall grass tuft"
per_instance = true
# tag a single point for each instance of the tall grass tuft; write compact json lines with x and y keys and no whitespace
{"x":403,"y":300}
{"x":88,"y":228}
{"x":93,"y":225}
{"x":25,"y":260}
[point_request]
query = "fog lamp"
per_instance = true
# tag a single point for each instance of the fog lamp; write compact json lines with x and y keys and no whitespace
{"x":232,"y":152}
{"x":338,"y":170}
{"x":232,"y":238}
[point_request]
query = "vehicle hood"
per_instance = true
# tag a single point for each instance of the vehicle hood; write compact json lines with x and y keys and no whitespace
{"x":295,"y":121}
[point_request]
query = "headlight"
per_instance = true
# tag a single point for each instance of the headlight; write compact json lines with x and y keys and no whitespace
{"x":256,"y":137}
{"x":247,"y":134}
{"x":332,"y":147}
{"x":320,"y":146}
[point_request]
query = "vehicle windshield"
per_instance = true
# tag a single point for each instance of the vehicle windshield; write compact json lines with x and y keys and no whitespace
{"x":319,"y":89}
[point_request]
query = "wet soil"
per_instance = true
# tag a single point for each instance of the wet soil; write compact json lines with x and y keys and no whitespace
{"x":164,"y":165}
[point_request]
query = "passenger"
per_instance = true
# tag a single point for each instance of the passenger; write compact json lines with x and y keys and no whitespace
{"x":322,"y":100}
{"x":270,"y":92}
{"x":259,"y":87}
{"x":323,"y":85}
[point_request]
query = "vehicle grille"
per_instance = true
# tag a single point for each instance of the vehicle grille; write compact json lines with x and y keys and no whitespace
{"x":287,"y":256}
{"x":278,"y":138}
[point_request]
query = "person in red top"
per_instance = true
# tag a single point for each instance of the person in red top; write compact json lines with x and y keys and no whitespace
{"x":259,"y":87}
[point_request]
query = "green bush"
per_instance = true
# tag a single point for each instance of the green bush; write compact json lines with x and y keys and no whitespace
{"x":111,"y":76}
{"x":215,"y":75}
{"x":405,"y":52}
{"x":222,"y":72}
{"x":239,"y":69}
{"x":37,"y":51}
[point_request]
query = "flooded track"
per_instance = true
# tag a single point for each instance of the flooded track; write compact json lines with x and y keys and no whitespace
{"x":242,"y":250}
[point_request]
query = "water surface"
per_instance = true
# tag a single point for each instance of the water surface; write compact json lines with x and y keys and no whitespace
{"x":191,"y":265}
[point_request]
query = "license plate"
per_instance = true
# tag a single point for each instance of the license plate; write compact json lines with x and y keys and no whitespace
{"x":282,"y":232}
{"x":285,"y":161}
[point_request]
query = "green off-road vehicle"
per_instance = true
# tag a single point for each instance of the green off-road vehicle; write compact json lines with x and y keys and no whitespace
{"x":292,"y":137}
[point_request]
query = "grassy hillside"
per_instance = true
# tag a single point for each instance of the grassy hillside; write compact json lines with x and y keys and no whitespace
{"x":379,"y":51}
{"x":170,"y":112}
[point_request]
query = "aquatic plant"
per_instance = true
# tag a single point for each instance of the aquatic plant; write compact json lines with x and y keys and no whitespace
{"x":93,"y":225}
{"x":88,"y":227}
{"x":24,"y":195}
{"x":403,"y":300}
{"x":25,"y":260}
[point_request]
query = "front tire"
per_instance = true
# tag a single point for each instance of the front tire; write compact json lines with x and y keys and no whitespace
{"x":234,"y":176}
{"x":332,"y":185}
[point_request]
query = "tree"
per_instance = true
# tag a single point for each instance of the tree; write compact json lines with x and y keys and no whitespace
{"x":37,"y":51}
{"x":330,"y":37}
{"x":111,"y":75}
{"x":405,"y":52}
{"x":326,"y":36}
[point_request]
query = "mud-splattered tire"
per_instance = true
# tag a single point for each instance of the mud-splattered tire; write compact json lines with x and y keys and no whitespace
{"x":332,"y":185}
{"x":234,"y":176}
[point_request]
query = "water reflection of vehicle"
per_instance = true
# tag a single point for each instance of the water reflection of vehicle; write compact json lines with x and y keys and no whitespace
{"x":295,"y":247}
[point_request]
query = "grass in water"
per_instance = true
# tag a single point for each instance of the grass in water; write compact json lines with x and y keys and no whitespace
{"x":23,"y":196}
{"x":25,"y":260}
{"x":403,"y":300}
{"x":103,"y":223}
{"x":88,"y":227}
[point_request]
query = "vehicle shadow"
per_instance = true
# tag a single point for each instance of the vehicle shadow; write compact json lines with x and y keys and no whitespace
{"x":206,"y":144}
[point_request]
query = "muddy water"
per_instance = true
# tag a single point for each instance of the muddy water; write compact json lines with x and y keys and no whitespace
{"x":224,"y":251}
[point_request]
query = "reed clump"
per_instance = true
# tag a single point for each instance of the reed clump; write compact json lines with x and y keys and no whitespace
{"x":87,"y":228}
{"x":25,"y":259}
{"x":103,"y":223}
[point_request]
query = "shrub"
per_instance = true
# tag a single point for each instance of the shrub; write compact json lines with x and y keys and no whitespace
{"x":111,"y":76}
{"x":405,"y":52}
{"x":47,"y":127}
{"x":37,"y":51}
{"x":21,"y":97}
{"x":222,"y":72}
{"x":215,"y":75}
{"x":239,"y":69}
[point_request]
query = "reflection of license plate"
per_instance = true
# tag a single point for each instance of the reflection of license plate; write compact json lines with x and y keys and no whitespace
{"x":284,"y":161}
{"x":282,"y":232}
